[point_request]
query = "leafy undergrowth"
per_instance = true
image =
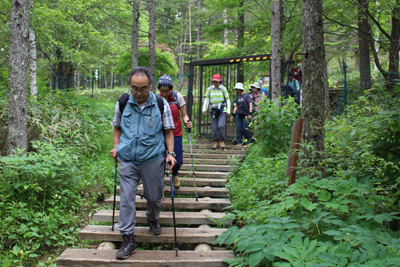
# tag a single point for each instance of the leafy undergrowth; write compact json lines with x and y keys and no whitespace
{"x":347,"y":216}
{"x":46,"y":194}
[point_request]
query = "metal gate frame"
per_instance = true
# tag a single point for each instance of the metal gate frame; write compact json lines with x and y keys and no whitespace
{"x":217,"y":66}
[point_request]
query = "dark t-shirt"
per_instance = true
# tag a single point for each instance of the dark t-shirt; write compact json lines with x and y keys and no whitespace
{"x":242,"y":101}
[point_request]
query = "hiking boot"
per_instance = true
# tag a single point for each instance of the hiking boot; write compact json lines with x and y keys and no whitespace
{"x":222,"y":144}
{"x":175,"y":181}
{"x":127,"y":248}
{"x":155,"y":227}
{"x":215,"y":145}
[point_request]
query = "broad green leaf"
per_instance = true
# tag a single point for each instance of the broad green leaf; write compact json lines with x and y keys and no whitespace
{"x":255,"y":258}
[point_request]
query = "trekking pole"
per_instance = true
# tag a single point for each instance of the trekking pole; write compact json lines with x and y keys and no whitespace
{"x":173,"y":208}
{"x":191,"y":155}
{"x":115,"y":192}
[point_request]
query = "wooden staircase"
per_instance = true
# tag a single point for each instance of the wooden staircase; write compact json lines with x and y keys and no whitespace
{"x":211,"y":168}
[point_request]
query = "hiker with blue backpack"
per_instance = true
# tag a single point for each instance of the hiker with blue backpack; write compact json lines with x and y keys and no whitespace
{"x":242,"y":110}
{"x":258,"y":93}
{"x":142,"y":131}
{"x":292,"y":88}
{"x":177,"y":104}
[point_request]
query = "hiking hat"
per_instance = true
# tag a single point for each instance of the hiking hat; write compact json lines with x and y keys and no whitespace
{"x":256,"y":85}
{"x":165,"y":80}
{"x":239,"y":86}
{"x":216,"y":78}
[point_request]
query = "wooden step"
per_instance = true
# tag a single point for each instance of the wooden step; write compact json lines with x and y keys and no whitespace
{"x":180,"y":203}
{"x":144,"y":258}
{"x":190,"y":191}
{"x":199,"y":182}
{"x":181,"y":218}
{"x":218,"y":151}
{"x":200,"y":167}
{"x":196,"y":160}
{"x":203,"y":174}
{"x":212,"y":156}
{"x":142,"y":234}
{"x":209,"y":146}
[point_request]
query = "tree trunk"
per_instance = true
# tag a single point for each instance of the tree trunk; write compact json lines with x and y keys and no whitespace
{"x":199,"y":31}
{"x":240,"y":43}
{"x":314,"y":92}
{"x":105,"y":76}
{"x":17,"y":130}
{"x":275,"y":50}
{"x":225,"y":40}
{"x":32,"y":63}
{"x":394,"y":46}
{"x":135,"y":34}
{"x":152,"y":41}
{"x":112,"y":77}
{"x":363,"y":44}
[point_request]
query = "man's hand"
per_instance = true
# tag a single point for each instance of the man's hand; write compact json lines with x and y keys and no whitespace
{"x":173,"y":161}
{"x":113,"y":153}
{"x":204,"y":112}
{"x":231,"y":120}
{"x":188,"y":124}
{"x":227,"y":114}
{"x":249,"y":117}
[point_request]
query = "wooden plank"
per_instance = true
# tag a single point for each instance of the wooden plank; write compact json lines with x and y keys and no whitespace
{"x":208,"y":146}
{"x":180,"y":203}
{"x":181,"y":218}
{"x":199,"y":167}
{"x":144,"y":258}
{"x":203,"y":174}
{"x":196,"y":160}
{"x":199,"y":182}
{"x":142,"y":234}
{"x":218,"y":151}
{"x":190,"y":191}
{"x":212,"y":156}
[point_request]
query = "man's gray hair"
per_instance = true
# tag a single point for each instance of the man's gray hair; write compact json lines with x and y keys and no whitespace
{"x":142,"y":70}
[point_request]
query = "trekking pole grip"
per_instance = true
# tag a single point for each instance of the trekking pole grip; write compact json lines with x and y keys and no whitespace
{"x":189,"y":129}
{"x":116,"y":162}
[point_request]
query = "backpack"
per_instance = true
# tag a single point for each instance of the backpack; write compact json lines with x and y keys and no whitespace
{"x":240,"y":110}
{"x":265,"y":90}
{"x":123,"y":100}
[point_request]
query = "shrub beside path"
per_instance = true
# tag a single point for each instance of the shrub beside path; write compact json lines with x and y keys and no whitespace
{"x":198,"y":222}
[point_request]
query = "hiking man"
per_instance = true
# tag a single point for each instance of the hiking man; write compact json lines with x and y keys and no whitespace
{"x":242,"y":110}
{"x":297,"y":72}
{"x":139,"y":144}
{"x":177,"y":104}
{"x":217,"y":101}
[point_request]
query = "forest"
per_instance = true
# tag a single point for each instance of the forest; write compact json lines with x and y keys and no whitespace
{"x":64,"y":64}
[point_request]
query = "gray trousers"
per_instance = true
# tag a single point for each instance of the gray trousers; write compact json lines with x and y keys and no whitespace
{"x":152,"y":175}
{"x":218,"y":127}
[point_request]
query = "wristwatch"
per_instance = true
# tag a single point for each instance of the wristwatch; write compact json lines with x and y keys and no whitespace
{"x":172,"y":153}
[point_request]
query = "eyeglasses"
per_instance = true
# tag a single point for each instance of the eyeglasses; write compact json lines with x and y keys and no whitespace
{"x":142,"y":90}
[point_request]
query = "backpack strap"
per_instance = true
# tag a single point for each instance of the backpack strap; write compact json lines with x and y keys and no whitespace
{"x":160,"y":104}
{"x":175,"y":96}
{"x":123,"y":99}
